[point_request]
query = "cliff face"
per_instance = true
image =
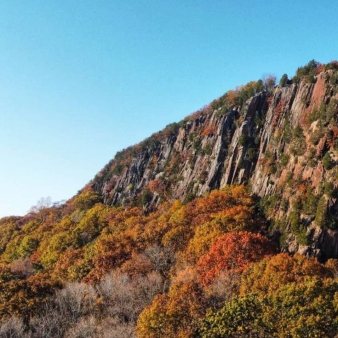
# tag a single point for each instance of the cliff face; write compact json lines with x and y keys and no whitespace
{"x":203,"y":152}
{"x":282,"y":142}
{"x":295,"y":173}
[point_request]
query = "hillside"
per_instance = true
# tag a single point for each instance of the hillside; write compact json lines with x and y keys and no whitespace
{"x":221,"y":225}
{"x":281,"y":141}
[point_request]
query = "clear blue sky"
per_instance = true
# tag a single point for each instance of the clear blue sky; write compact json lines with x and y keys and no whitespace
{"x":81,"y":80}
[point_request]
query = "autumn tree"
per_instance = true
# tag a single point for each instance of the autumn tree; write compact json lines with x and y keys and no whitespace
{"x":138,"y":265}
{"x":22,"y":267}
{"x":24,"y":297}
{"x":305,"y":309}
{"x":72,"y":265}
{"x":237,"y":318}
{"x":233,"y":252}
{"x":272,"y":272}
{"x":174,"y":314}
{"x":85,"y":199}
{"x":8,"y":228}
{"x":91,"y":224}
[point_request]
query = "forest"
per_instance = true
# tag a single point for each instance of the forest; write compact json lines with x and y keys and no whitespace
{"x":207,"y":268}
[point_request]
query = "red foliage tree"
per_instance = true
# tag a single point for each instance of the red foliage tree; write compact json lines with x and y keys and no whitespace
{"x":233,"y":252}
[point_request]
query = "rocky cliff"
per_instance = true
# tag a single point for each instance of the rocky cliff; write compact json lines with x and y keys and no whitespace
{"x":281,"y":141}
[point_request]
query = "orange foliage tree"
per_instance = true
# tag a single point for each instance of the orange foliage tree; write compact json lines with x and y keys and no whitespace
{"x":233,"y":252}
{"x":272,"y":272}
{"x":23,"y":297}
{"x":73,"y":265}
{"x":205,"y":218}
{"x":173,"y":315}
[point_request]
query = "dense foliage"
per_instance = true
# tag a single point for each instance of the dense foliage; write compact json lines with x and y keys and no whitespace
{"x":176,"y":272}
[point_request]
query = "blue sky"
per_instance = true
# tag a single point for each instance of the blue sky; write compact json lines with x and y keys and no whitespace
{"x":81,"y":80}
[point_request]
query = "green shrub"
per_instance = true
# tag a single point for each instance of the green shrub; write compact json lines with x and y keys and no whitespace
{"x":314,"y":116}
{"x":243,"y":140}
{"x":284,"y":159}
{"x":306,"y":72}
{"x":328,"y":163}
{"x":310,"y":202}
{"x":251,"y":154}
{"x":321,"y":212}
{"x":328,"y":188}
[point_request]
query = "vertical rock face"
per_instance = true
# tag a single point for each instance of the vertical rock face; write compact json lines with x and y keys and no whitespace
{"x":206,"y":151}
{"x":283,"y":143}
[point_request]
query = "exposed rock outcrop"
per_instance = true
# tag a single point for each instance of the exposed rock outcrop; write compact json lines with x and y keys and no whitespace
{"x":283,"y":142}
